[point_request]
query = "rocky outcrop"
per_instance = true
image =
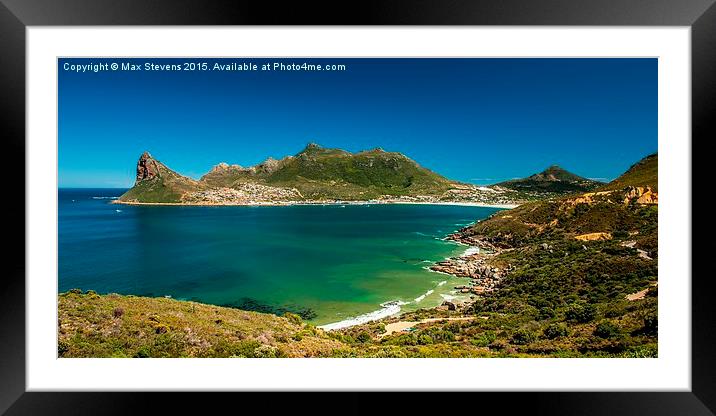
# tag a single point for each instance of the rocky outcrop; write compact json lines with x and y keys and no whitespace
{"x":594,"y":237}
{"x":450,"y":306}
{"x":147,"y":168}
{"x":483,"y":277}
{"x":312,"y":146}
{"x":641,"y":195}
{"x":589,"y":198}
{"x":224,"y":167}
{"x":269,"y":165}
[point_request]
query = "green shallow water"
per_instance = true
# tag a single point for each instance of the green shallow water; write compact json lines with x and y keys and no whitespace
{"x":334,"y":262}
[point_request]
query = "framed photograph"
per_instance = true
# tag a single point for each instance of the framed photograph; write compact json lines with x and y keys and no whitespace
{"x":414,"y":198}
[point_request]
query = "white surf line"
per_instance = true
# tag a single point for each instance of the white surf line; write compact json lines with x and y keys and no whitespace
{"x":470,"y":251}
{"x":421,"y":297}
{"x":387,"y":309}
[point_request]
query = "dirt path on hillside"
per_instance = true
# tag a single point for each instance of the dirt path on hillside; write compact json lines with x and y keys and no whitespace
{"x":401,"y":326}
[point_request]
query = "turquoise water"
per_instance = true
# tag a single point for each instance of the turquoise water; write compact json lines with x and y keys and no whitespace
{"x":328,"y":263}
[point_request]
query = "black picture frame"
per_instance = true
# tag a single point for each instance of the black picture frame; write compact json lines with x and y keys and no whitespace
{"x":16,"y":15}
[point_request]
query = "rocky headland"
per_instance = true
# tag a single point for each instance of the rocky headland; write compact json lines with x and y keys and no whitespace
{"x":475,"y":265}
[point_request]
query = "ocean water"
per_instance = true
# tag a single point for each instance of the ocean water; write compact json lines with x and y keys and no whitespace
{"x":330,"y":263}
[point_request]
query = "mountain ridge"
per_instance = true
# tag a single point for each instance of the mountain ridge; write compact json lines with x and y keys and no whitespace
{"x":322,"y":174}
{"x":315,"y":173}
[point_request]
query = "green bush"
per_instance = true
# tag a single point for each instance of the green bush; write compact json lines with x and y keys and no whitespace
{"x":484,"y":339}
{"x":363,"y":337}
{"x":651,"y":323}
{"x":452,"y":327}
{"x":438,"y":334}
{"x":293,"y":318}
{"x":646,"y":351}
{"x":405,"y":339}
{"x":499,"y":345}
{"x":606,"y":329}
{"x":245,"y":349}
{"x":620,"y":234}
{"x":62,"y":347}
{"x":425,"y":339}
{"x":310,"y":329}
{"x":143,"y":352}
{"x":523,"y":336}
{"x":545,"y":313}
{"x":266,"y":351}
{"x":556,"y":331}
{"x":160,"y":328}
{"x":389,"y":352}
{"x":581,"y":312}
{"x":616,"y":309}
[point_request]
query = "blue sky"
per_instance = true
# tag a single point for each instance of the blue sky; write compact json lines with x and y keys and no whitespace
{"x":474,"y":120}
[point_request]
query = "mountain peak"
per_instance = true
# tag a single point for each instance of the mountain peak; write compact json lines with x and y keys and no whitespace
{"x":556,"y":173}
{"x":375,"y":150}
{"x":312,"y":146}
{"x":311,"y":149}
{"x":147,"y":168}
{"x":315,"y":150}
{"x":553,"y":180}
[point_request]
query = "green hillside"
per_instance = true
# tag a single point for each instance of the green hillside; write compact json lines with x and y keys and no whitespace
{"x":90,"y":325}
{"x":612,"y":208}
{"x":321,"y":173}
{"x":552,"y":181}
{"x":317,"y":173}
{"x":643,"y":173}
{"x":332,"y":173}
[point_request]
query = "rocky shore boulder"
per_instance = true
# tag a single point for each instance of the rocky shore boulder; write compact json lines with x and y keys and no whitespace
{"x":449,"y":305}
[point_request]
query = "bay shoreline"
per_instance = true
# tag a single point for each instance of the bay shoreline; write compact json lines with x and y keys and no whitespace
{"x":316,"y":203}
